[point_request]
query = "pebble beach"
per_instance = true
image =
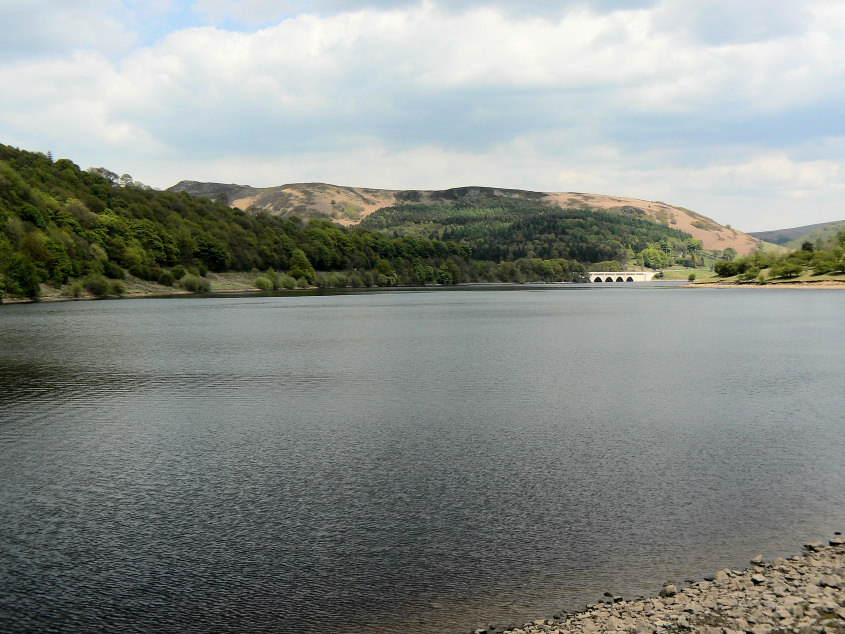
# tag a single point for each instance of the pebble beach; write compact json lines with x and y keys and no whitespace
{"x":804,"y":594}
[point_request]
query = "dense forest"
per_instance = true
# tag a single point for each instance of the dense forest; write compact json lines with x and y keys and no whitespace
{"x":505,"y":229}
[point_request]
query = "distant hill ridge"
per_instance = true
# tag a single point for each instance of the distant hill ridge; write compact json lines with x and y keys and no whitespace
{"x":794,"y":236}
{"x":350,"y":205}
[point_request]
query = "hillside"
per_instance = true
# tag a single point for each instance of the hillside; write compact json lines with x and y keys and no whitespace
{"x":86,"y":232}
{"x":350,"y":205}
{"x":795,"y":236}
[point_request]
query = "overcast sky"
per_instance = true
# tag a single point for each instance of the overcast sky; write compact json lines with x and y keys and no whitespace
{"x":733,"y":108}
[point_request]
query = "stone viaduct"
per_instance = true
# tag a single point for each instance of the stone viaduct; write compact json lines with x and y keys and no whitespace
{"x":621,"y":276}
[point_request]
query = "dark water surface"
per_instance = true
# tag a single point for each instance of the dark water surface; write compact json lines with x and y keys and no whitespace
{"x":408,"y":461}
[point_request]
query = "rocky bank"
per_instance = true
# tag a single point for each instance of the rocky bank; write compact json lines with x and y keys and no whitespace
{"x":804,"y":593}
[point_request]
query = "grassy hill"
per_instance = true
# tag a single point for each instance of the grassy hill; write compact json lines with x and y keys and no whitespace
{"x":794,"y":237}
{"x":349,"y":206}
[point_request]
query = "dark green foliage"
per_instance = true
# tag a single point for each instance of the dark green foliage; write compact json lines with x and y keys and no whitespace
{"x":21,"y":277}
{"x":729,"y":254}
{"x":511,"y":229}
{"x":114,"y":271}
{"x":727,"y":268}
{"x":787,"y":269}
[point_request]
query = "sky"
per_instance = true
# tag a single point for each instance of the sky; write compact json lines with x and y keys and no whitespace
{"x":732,"y":108}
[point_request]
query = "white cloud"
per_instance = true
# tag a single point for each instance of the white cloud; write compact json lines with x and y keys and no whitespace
{"x":632,"y":102}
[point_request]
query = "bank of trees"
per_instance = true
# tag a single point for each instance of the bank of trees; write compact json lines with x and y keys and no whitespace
{"x":828,"y":257}
{"x":90,"y":228}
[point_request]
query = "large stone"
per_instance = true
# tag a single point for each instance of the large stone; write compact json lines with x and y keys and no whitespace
{"x":831,"y":581}
{"x":669,"y":590}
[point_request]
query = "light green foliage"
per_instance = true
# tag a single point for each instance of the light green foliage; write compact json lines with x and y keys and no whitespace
{"x":301,"y":268}
{"x":263,"y":284}
{"x":654,"y":258}
{"x":195,"y":284}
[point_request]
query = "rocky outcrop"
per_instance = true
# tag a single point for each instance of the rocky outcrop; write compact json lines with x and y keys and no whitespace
{"x":801,"y":594}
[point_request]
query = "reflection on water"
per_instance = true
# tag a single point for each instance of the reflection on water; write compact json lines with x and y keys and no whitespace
{"x":405,"y":461}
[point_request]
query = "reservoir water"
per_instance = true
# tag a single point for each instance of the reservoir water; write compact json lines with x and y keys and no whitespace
{"x":429,"y":461}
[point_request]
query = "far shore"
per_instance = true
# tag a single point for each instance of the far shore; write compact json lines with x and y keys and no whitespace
{"x":223,"y":284}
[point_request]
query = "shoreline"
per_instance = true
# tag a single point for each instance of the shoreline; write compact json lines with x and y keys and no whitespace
{"x":233,"y":287}
{"x":802,"y":284}
{"x":802,"y":593}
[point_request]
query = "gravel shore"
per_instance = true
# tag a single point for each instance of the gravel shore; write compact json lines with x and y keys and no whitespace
{"x":804,"y":593}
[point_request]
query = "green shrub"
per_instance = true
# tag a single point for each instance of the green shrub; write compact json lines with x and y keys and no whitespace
{"x":166,"y":278}
{"x":76,"y":289}
{"x":97,"y":285}
{"x":725,"y":268}
{"x":288,"y":283}
{"x":750,"y":274}
{"x":274,"y":278}
{"x":691,"y":277}
{"x":787,"y":269}
{"x":117,"y":288}
{"x":263,"y":284}
{"x":195,"y":284}
{"x":178,"y":272}
{"x":114,"y":271}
